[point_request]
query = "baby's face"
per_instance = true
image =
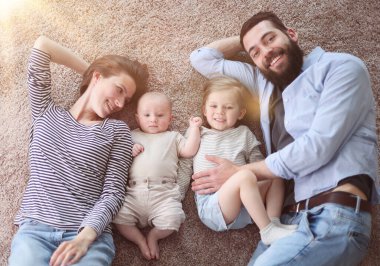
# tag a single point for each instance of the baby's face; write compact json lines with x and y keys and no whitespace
{"x":154,"y":114}
{"x":222,"y":110}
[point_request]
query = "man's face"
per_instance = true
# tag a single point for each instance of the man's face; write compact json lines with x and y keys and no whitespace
{"x":275,"y":53}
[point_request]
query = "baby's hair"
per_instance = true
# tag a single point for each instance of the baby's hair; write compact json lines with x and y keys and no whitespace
{"x":223,"y":83}
{"x":156,"y":94}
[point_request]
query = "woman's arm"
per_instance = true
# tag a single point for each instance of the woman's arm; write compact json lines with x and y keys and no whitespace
{"x":71,"y":251}
{"x":61,"y":55}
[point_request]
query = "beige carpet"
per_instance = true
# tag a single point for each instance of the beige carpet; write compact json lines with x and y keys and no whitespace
{"x":161,"y":34}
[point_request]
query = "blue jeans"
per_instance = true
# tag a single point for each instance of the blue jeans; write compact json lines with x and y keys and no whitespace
{"x":329,"y":234}
{"x":34,"y":244}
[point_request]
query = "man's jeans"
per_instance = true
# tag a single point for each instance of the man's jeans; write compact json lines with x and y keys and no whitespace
{"x":329,"y":234}
{"x":34,"y":243}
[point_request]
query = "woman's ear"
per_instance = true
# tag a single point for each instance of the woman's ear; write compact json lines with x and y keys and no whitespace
{"x":242,"y":113}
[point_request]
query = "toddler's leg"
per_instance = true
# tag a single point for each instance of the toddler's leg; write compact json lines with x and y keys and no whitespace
{"x":132,"y":233}
{"x":243,"y":187}
{"x":274,"y":200}
{"x":153,"y":237}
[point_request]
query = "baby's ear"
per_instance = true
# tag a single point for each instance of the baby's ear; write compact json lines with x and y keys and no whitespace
{"x":242,"y":113}
{"x":137,"y":119}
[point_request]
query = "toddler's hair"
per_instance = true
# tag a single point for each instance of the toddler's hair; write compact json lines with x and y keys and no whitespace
{"x":223,"y":83}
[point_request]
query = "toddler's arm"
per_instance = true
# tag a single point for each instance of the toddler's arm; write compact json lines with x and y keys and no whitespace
{"x":193,"y":140}
{"x":137,"y":149}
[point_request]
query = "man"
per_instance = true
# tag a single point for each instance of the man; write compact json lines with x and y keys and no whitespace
{"x":318,"y":122}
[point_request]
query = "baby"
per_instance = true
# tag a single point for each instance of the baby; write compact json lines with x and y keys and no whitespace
{"x":154,"y":192}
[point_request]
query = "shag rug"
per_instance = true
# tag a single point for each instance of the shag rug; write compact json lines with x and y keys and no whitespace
{"x":161,"y":34}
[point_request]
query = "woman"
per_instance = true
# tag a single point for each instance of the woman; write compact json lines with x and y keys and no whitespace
{"x":79,"y":160}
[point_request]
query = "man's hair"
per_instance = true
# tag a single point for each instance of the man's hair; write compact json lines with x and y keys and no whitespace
{"x":112,"y":65}
{"x":256,"y":19}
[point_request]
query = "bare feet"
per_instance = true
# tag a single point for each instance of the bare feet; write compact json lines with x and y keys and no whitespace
{"x":143,"y":246}
{"x":153,"y":245}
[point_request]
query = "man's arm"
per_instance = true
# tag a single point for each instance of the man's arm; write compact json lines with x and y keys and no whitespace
{"x":228,"y":47}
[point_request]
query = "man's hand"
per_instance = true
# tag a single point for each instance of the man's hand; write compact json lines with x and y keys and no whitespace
{"x":70,"y":252}
{"x":209,"y":181}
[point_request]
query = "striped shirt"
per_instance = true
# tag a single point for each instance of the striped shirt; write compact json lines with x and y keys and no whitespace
{"x":78,"y":173}
{"x":238,"y":145}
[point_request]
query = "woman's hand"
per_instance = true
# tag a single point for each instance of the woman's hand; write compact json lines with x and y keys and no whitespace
{"x":209,"y":181}
{"x":70,"y":252}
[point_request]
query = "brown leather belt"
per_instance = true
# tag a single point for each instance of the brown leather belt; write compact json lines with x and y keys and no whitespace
{"x":338,"y":197}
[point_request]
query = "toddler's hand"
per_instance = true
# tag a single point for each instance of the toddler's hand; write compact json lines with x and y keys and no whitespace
{"x":137,"y":149}
{"x":195,"y":121}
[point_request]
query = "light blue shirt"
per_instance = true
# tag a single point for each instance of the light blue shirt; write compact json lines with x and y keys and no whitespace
{"x":329,"y":111}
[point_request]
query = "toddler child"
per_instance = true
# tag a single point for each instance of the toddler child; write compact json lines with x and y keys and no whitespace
{"x":242,"y":198}
{"x":154,"y":192}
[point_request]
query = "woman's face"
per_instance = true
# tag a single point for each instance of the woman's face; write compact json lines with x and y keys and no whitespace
{"x":109,"y":95}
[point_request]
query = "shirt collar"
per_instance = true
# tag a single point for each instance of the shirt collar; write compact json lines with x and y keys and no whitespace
{"x":313,"y":57}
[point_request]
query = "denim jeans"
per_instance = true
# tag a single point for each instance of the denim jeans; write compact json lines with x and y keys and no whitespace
{"x":329,"y":234}
{"x":34,"y":243}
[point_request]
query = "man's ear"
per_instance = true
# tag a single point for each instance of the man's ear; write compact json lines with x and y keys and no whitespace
{"x":242,"y":113}
{"x":292,"y":34}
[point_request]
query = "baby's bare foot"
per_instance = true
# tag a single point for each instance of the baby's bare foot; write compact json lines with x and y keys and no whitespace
{"x":153,"y":246}
{"x":144,"y":249}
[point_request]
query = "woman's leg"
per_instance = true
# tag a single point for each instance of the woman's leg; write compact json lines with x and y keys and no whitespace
{"x":31,"y":245}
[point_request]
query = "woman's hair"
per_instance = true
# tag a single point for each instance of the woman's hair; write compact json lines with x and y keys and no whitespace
{"x":113,"y":65}
{"x":223,"y":83}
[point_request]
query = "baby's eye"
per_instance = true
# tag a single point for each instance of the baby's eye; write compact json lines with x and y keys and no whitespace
{"x":146,"y":115}
{"x":213,"y":106}
{"x":230,"y":107}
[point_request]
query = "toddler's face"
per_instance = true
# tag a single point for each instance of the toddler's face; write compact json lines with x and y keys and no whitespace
{"x":222,"y":110}
{"x":153,"y":115}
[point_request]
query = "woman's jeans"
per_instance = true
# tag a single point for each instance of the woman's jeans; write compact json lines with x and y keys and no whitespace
{"x":329,"y":234}
{"x":34,"y":244}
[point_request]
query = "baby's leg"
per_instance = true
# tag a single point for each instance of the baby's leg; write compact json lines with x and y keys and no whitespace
{"x":132,"y":233}
{"x":153,"y":237}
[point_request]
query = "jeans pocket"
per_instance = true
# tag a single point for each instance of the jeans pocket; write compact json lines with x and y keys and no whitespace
{"x":359,"y":240}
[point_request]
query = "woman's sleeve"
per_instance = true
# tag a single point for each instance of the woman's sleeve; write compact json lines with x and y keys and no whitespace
{"x":116,"y":175}
{"x":39,"y":82}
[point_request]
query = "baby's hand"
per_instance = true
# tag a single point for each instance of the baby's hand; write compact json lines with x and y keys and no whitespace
{"x":195,"y":121}
{"x":137,"y":149}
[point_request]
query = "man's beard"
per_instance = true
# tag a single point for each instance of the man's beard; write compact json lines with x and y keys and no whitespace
{"x":293,"y":69}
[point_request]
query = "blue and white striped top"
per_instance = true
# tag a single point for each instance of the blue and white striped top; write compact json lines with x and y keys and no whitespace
{"x":78,"y":173}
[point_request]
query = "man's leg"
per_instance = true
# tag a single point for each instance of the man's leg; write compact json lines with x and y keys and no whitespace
{"x":327,"y":235}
